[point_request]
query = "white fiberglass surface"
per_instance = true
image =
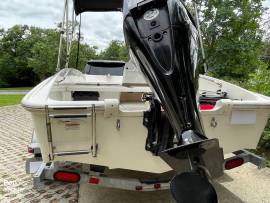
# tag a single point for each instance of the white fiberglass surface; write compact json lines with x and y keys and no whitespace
{"x":61,"y":86}
{"x":69,"y":81}
{"x":64,"y":94}
{"x":58,"y":95}
{"x":211,"y":85}
{"x":72,"y":77}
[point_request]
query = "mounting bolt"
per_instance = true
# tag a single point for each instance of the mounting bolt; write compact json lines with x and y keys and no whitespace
{"x":213,"y":123}
{"x":118,"y":124}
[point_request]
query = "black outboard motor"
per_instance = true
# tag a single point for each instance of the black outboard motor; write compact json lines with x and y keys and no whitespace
{"x":163,"y":40}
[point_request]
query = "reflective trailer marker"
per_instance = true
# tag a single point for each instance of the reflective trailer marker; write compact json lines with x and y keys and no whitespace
{"x":139,"y":188}
{"x":234,"y":163}
{"x":94,"y":180}
{"x":157,"y":186}
{"x":30,"y":150}
{"x":68,"y":177}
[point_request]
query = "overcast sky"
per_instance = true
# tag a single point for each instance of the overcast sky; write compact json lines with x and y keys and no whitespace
{"x":98,"y":28}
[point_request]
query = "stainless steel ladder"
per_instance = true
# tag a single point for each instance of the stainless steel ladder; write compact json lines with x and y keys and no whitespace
{"x":49,"y":116}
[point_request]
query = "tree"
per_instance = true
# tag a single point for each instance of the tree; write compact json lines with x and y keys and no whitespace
{"x":2,"y":31}
{"x":116,"y":50}
{"x":266,"y":38}
{"x":260,"y":82}
{"x":232,"y":37}
{"x":86,"y":53}
{"x":44,"y":52}
{"x":29,"y":55}
{"x":15,"y":44}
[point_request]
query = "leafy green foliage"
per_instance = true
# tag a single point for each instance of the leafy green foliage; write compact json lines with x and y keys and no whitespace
{"x":232,"y":37}
{"x":86,"y":53}
{"x":116,"y":50}
{"x":44,"y":52}
{"x":28,"y":55}
{"x":259,"y":81}
{"x":266,"y":43}
{"x":14,"y":51}
{"x":265,"y":140}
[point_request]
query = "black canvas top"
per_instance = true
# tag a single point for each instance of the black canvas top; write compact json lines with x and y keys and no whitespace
{"x":97,"y":5}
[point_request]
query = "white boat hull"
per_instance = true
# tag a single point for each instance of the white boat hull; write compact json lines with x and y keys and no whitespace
{"x":120,"y":134}
{"x":122,"y":148}
{"x":238,"y":123}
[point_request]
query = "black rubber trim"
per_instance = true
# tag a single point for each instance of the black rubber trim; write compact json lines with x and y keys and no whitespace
{"x":70,"y":116}
{"x":76,"y":108}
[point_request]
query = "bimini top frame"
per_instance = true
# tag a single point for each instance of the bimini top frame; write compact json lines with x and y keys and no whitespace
{"x":81,"y":6}
{"x":69,"y":22}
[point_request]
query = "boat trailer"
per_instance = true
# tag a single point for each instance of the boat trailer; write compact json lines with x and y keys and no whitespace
{"x":84,"y":173}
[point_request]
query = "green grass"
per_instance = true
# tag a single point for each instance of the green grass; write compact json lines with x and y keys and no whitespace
{"x":16,"y":88}
{"x":7,"y":100}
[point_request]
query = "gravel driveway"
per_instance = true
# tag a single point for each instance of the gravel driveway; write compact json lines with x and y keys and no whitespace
{"x":245,"y":184}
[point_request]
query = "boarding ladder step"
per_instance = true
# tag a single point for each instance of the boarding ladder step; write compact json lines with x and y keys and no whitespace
{"x":49,"y":116}
{"x":79,"y":152}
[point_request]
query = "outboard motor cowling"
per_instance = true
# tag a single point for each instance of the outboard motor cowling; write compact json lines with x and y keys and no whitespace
{"x":163,"y":38}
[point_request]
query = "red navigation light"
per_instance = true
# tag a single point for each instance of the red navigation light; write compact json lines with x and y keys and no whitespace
{"x":204,"y":107}
{"x":94,"y":180}
{"x":234,"y":163}
{"x":68,"y":177}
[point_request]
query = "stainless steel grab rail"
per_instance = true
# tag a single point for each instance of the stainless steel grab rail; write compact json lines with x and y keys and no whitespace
{"x":69,"y":115}
{"x":94,"y":140}
{"x":79,"y":152}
